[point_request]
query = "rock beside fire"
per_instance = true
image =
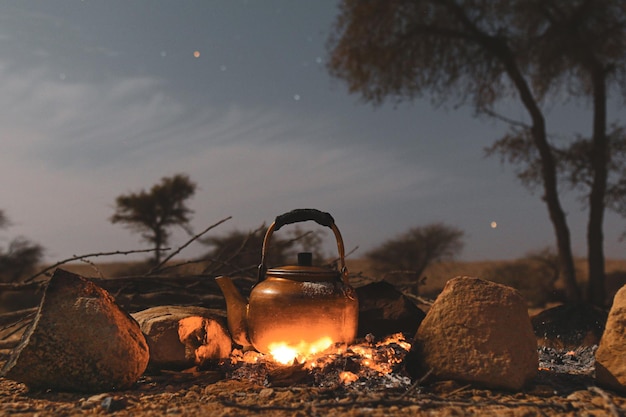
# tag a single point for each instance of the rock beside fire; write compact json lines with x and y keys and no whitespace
{"x":610,"y":364}
{"x":384,"y":310}
{"x":568,"y":327}
{"x":181,"y":337}
{"x":479,"y":332}
{"x":80,"y":340}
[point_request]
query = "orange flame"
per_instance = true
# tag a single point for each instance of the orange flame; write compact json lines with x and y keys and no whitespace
{"x":286,"y":354}
{"x":348,"y":377}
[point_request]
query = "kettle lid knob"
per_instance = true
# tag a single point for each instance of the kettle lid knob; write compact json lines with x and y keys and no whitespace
{"x":305,"y":259}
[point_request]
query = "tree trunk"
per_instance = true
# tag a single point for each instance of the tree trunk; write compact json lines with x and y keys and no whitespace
{"x":548,"y":175}
{"x":599,"y":161}
{"x":158,"y":244}
{"x":557,"y":216}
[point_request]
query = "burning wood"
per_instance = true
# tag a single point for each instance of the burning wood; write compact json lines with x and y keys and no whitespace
{"x":365,"y":365}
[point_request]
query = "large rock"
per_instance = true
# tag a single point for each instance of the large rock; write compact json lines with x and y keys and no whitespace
{"x":479,"y":332}
{"x":80,"y":340}
{"x":384,"y":310}
{"x":569,"y":326}
{"x":610,"y":363}
{"x":180,"y":337}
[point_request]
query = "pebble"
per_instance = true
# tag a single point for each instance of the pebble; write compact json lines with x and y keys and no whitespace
{"x":113,"y":404}
{"x":266,"y":393}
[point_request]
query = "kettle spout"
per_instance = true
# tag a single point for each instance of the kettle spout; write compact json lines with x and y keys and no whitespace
{"x":236,"y":311}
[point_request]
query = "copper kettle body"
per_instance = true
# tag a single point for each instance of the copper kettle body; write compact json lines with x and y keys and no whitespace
{"x":294,"y":305}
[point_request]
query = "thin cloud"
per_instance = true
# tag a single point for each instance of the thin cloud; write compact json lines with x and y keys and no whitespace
{"x":75,"y":146}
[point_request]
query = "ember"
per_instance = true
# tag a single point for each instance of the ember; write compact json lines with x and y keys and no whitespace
{"x":362,"y":365}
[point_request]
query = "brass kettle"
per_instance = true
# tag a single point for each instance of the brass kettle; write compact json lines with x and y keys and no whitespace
{"x":294,"y":305}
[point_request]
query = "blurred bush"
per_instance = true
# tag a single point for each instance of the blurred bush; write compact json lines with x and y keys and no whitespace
{"x":20,"y":258}
{"x":534,"y":276}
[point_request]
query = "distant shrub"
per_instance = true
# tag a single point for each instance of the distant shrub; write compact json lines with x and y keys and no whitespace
{"x":403,"y":259}
{"x":534,"y":276}
{"x":21,"y":256}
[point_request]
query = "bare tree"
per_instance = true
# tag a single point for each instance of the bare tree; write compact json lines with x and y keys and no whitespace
{"x":153,"y":212}
{"x":484,"y":51}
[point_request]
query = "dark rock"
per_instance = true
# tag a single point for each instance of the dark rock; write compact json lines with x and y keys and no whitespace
{"x":569,"y":326}
{"x":384,"y":310}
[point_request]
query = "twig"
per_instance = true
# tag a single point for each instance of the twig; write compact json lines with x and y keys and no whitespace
{"x":505,"y":119}
{"x":350,"y":252}
{"x":15,"y":316}
{"x":335,"y":260}
{"x":20,"y":286}
{"x":90,"y":255}
{"x":193,"y":238}
{"x":419,"y":299}
{"x":209,"y":270}
{"x":93,"y":266}
{"x":456,"y":391}
{"x":20,"y":325}
{"x":8,"y":344}
{"x":416,"y":384}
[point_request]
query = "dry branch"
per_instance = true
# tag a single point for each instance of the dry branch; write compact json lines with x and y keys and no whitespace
{"x":8,"y":344}
{"x":159,"y":267}
{"x":236,"y":253}
{"x":81,"y":257}
{"x":15,"y":316}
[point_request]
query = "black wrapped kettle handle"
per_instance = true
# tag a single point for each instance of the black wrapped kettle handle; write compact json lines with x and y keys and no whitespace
{"x":302,"y":215}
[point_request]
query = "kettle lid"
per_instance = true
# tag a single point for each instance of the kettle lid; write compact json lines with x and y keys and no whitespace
{"x":304,"y":270}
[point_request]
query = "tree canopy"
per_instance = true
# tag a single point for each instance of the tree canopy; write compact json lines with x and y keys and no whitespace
{"x":481,"y":52}
{"x":152,"y":213}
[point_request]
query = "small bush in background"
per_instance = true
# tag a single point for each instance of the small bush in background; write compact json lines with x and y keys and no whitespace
{"x":534,"y":276}
{"x":402,"y":260}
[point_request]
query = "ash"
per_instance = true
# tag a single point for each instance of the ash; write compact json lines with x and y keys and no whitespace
{"x":579,"y":361}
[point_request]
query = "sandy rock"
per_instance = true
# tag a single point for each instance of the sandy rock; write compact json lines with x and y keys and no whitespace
{"x":477,"y":331}
{"x":384,"y":310}
{"x":205,"y":338}
{"x":80,"y":340}
{"x":610,"y":364}
{"x":176,"y":333}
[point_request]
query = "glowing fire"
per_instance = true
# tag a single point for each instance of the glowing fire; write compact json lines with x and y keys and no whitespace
{"x":285,"y":354}
{"x":380,"y":357}
{"x":324,"y":362}
{"x":347,"y":377}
